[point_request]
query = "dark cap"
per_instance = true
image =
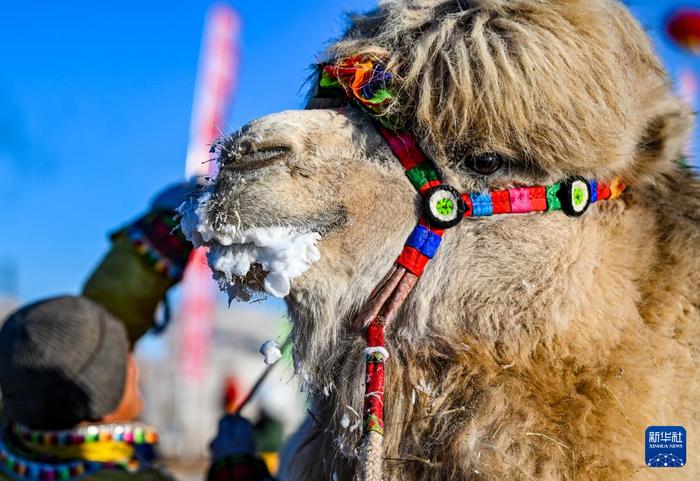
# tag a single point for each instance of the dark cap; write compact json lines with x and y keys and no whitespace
{"x":62,"y":361}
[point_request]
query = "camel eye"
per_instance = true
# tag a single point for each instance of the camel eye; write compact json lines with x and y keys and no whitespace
{"x":484,"y":164}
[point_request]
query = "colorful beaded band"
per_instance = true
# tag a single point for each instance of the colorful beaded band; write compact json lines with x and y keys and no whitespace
{"x":131,"y":433}
{"x":573,"y":196}
{"x":151,"y":255}
{"x":19,"y":468}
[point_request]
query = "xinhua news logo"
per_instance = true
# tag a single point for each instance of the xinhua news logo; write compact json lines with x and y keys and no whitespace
{"x":666,"y":446}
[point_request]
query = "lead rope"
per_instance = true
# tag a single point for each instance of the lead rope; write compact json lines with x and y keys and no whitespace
{"x":386,"y":302}
{"x":383,"y":309}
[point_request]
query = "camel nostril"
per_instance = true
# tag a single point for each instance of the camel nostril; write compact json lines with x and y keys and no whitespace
{"x":250,"y":155}
{"x":244,"y":147}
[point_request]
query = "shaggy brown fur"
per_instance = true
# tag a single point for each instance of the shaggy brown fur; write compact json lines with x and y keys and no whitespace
{"x":555,"y":83}
{"x":535,"y":347}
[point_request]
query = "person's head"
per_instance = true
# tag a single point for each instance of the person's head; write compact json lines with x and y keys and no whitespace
{"x":64,"y":361}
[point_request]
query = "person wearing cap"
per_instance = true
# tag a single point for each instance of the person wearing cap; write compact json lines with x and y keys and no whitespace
{"x":70,"y":394}
{"x":69,"y":384}
{"x":68,"y":381}
{"x":71,"y":399}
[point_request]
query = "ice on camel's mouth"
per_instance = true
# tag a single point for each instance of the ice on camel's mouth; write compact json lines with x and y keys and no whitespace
{"x":281,"y":252}
{"x":240,"y":259}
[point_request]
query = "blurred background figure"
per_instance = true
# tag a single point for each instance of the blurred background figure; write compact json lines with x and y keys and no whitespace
{"x":8,"y":286}
{"x":8,"y":292}
{"x":96,"y":114}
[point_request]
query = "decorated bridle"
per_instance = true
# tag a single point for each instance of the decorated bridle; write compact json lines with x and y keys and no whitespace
{"x":366,"y":83}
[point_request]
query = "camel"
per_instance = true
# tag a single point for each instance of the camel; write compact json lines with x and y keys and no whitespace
{"x":536,"y":346}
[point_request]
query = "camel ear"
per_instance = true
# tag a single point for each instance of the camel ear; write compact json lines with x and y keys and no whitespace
{"x":664,"y":138}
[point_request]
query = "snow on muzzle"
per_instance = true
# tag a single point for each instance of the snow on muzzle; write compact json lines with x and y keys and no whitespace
{"x":284,"y":253}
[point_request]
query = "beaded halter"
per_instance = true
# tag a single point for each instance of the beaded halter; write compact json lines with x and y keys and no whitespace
{"x":17,"y":467}
{"x":365,"y":82}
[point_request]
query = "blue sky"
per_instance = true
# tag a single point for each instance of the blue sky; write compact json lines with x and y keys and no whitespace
{"x":95,"y":102}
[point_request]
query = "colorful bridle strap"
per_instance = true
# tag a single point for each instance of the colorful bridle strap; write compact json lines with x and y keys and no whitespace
{"x":443,"y":207}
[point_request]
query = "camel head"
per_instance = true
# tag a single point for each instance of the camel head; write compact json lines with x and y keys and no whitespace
{"x":500,"y":94}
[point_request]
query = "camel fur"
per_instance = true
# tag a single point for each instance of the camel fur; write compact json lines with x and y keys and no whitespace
{"x":535,"y":347}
